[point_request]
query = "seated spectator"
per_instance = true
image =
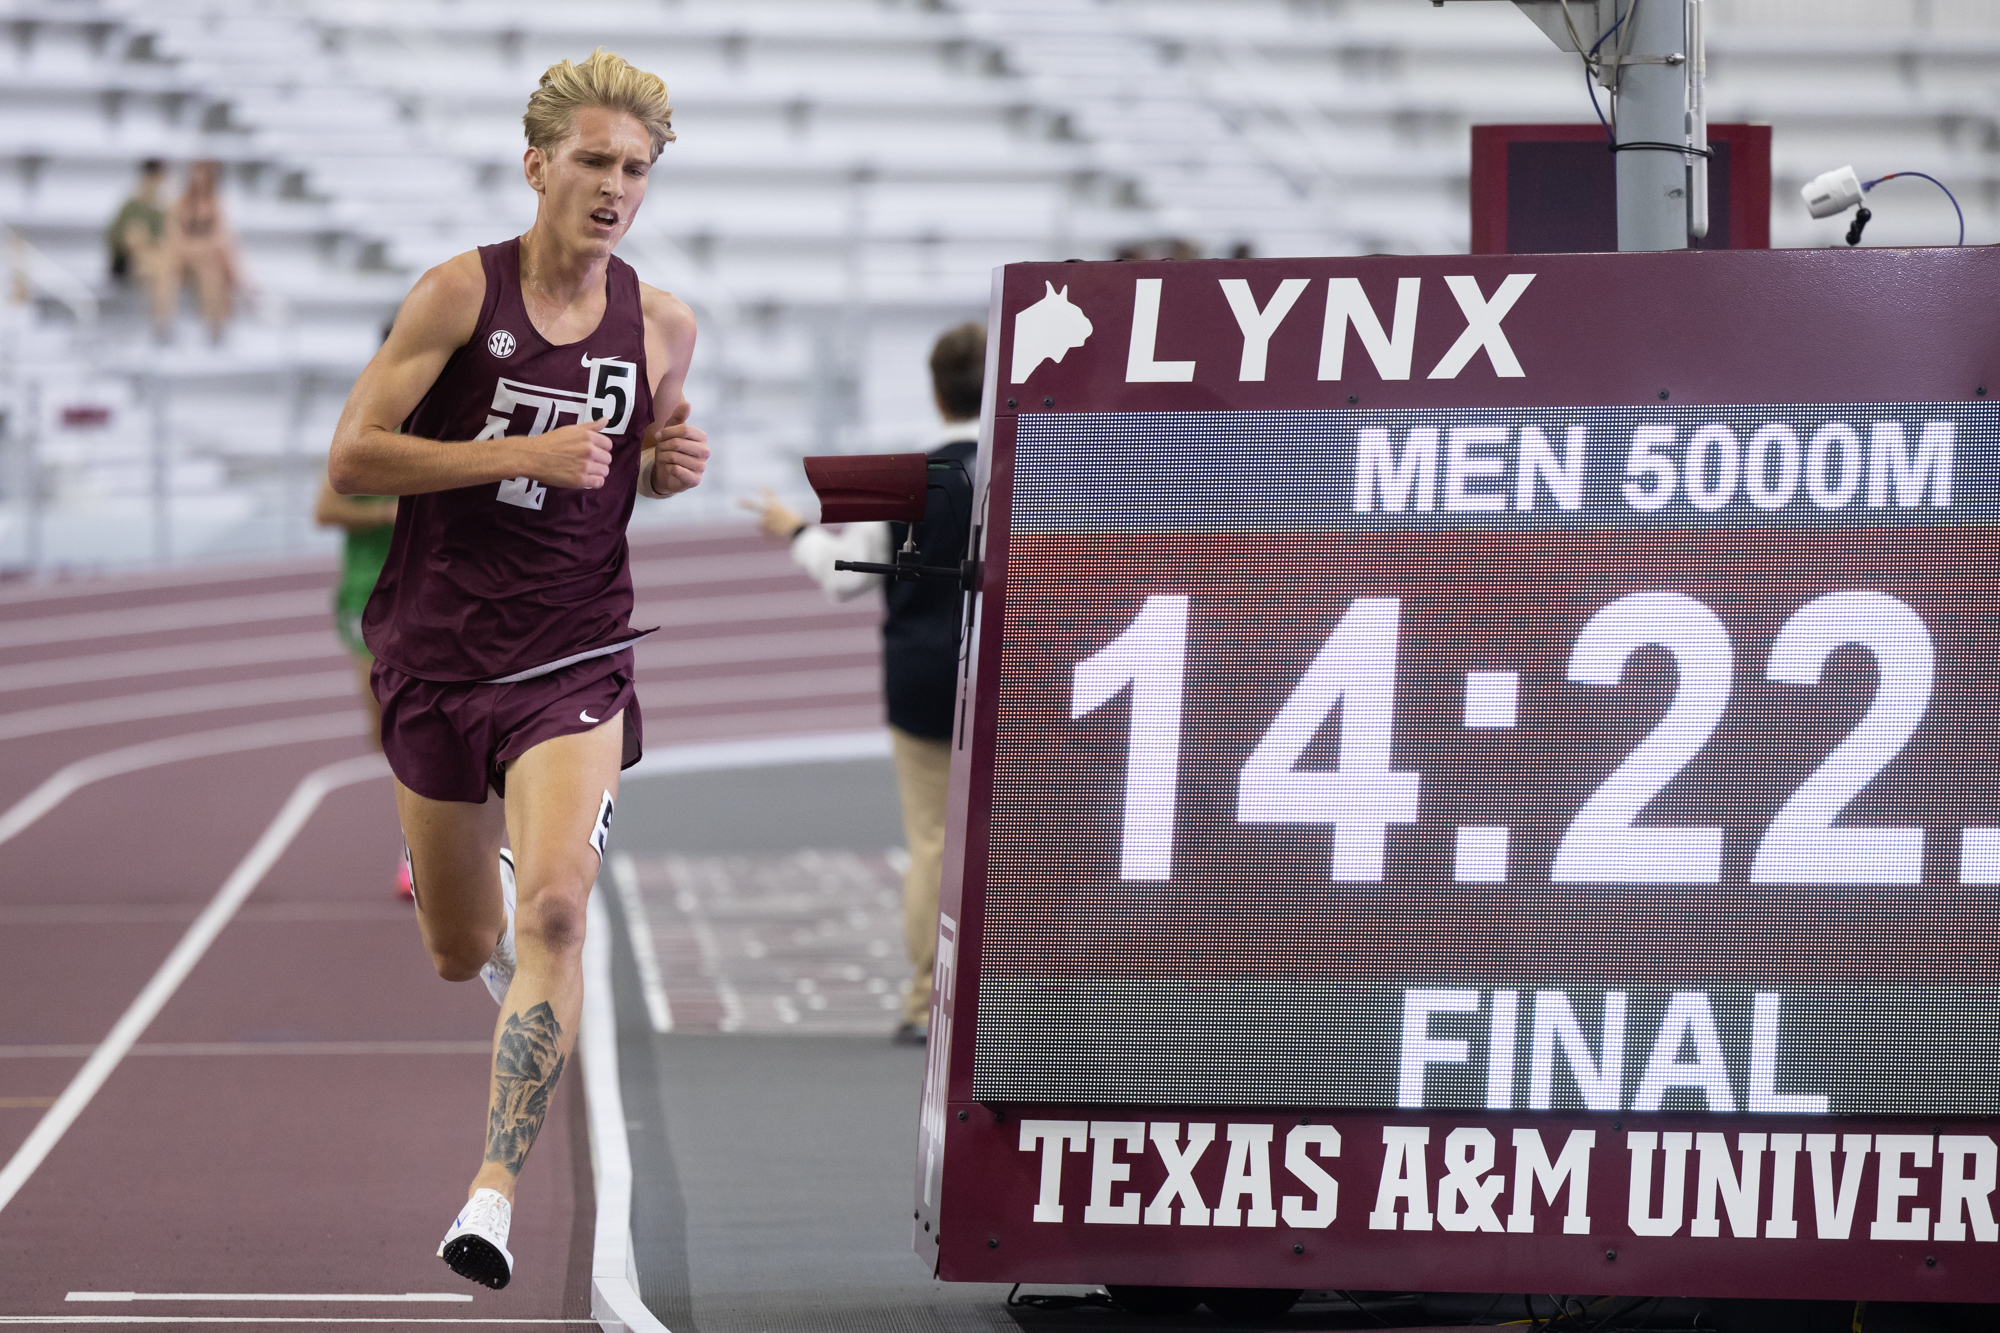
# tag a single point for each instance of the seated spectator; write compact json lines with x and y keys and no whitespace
{"x":199,"y":245}
{"x":136,"y":234}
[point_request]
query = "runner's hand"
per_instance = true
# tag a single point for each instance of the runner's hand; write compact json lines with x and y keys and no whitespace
{"x":574,"y":456}
{"x":680,"y":452}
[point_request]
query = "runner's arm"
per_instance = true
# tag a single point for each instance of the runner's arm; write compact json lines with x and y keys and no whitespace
{"x":334,"y":510}
{"x":370,"y":457}
{"x":675,"y":452}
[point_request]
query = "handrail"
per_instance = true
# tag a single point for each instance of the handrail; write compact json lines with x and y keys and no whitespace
{"x":33,"y":271}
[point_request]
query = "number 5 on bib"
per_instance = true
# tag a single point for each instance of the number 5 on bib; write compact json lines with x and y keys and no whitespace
{"x":614,"y":387}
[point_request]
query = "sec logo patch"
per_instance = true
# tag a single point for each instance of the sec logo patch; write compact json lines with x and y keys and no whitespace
{"x":501,"y":343}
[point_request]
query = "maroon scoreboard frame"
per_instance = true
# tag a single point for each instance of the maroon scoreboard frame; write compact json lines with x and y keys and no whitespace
{"x":1476,"y":773}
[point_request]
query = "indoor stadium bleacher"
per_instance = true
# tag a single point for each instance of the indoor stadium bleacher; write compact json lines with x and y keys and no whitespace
{"x":847,"y":175}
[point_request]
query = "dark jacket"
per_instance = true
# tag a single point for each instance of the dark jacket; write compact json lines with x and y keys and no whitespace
{"x":920,"y":633}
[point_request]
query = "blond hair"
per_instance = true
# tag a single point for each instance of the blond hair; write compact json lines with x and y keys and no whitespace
{"x":605,"y":80}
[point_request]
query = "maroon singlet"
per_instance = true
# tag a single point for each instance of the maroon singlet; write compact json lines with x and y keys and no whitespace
{"x":504,"y":581}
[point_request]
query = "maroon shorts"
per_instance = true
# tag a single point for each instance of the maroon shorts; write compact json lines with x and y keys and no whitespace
{"x":452,"y":740}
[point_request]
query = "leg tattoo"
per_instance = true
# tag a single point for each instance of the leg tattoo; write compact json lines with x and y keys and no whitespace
{"x":525,"y":1070}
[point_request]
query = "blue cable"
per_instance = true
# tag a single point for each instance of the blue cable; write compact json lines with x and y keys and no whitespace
{"x":1869,"y":185}
{"x":1590,"y":85}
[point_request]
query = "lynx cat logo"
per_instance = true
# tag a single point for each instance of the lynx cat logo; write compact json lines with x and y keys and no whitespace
{"x":1047,"y":331}
{"x":501,"y":344}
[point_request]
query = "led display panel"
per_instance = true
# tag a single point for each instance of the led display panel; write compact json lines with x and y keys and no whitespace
{"x":1644,"y":755}
{"x":1505,"y":743}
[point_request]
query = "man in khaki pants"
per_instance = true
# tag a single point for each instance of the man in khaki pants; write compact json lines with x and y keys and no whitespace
{"x":919,"y":640}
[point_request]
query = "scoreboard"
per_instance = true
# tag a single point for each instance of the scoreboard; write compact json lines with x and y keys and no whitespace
{"x":1479,"y":773}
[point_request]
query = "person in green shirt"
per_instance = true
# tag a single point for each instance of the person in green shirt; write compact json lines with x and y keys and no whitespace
{"x":136,"y":233}
{"x":369,"y":522}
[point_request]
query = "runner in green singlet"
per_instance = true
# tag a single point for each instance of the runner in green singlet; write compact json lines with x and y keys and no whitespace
{"x":369,"y":521}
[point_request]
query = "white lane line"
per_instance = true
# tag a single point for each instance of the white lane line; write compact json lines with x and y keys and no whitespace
{"x":208,"y":612}
{"x":763,"y":752}
{"x":49,"y":1051}
{"x":316,"y":1049}
{"x":262,"y":649}
{"x":162,"y":616}
{"x":625,"y":878}
{"x":642,"y":542}
{"x":679,"y":532}
{"x":687,"y":900}
{"x":79,"y":1320}
{"x":300,"y":567}
{"x":305,"y":798}
{"x":451,"y":1297}
{"x":778,"y":647}
{"x":614,"y":1267}
{"x":757,"y":687}
{"x":761,"y":687}
{"x":125,"y":914}
{"x":174,"y":657}
{"x":701,"y":570}
{"x":97,"y":914}
{"x":723,"y":725}
{"x":811,"y":602}
{"x":194,"y":745}
{"x":173,"y":703}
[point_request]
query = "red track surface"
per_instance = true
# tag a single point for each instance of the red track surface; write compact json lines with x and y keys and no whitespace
{"x":233,"y":1151}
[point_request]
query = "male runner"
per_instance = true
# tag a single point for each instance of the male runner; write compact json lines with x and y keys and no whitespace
{"x":527,"y":391}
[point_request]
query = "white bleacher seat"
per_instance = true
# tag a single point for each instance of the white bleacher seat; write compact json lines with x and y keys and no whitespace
{"x":848,"y":173}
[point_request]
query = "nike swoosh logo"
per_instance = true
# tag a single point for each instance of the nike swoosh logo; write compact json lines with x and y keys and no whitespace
{"x":585,"y":715}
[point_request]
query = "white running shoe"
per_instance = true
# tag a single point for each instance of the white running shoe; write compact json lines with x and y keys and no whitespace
{"x":498,"y":974}
{"x":476,"y":1246}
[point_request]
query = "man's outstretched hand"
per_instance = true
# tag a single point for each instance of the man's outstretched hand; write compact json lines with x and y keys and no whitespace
{"x":680,"y":452}
{"x":779,"y":522}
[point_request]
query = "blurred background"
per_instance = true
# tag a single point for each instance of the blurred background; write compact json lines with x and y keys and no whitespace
{"x":847,"y":175}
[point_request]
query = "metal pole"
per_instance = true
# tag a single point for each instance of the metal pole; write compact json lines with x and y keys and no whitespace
{"x":1697,"y":118}
{"x":291,"y":500}
{"x":162,"y":469}
{"x":852,"y":358}
{"x":31,"y":471}
{"x":1652,"y":108}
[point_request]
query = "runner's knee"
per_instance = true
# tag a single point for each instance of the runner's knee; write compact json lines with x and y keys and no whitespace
{"x":458,"y":960}
{"x":553,"y":918}
{"x":458,"y":948}
{"x":459,"y":954}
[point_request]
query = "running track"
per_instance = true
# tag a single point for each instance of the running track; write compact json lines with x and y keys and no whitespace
{"x":300,"y":1113}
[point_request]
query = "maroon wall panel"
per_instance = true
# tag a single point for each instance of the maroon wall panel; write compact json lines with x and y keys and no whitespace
{"x":1552,"y":189}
